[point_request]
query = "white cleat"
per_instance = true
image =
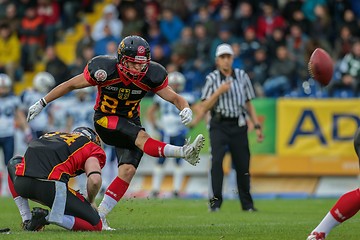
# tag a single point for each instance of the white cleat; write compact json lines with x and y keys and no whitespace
{"x":192,"y":150}
{"x":105,"y":225}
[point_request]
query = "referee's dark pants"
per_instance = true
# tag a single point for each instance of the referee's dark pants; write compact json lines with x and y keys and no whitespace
{"x":225,"y":134}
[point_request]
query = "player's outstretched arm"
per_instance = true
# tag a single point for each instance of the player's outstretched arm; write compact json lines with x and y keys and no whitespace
{"x":76,"y":82}
{"x":170,"y":95}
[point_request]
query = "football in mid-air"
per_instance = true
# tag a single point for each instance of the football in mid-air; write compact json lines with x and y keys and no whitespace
{"x":321,"y":66}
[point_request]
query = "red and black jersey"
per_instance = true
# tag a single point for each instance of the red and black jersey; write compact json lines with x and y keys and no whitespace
{"x":116,"y":94}
{"x":58,"y":156}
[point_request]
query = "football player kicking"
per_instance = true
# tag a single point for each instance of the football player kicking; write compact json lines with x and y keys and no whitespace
{"x":42,"y":176}
{"x":122,"y":82}
{"x":345,"y":208}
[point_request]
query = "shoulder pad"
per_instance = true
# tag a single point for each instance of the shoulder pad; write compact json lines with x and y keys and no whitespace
{"x":101,"y":68}
{"x":156,"y":73}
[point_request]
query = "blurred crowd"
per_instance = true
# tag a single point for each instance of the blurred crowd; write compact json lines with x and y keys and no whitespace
{"x":272,"y":39}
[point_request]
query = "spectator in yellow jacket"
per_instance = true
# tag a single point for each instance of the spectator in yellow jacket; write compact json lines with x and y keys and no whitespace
{"x":9,"y":51}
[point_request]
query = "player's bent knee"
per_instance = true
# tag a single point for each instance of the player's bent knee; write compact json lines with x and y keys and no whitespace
{"x":14,"y":161}
{"x":11,"y":166}
{"x":141,"y":138}
{"x":127,"y":171}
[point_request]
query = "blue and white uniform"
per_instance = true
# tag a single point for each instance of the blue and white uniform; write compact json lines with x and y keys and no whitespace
{"x":9,"y":105}
{"x":82,"y":113}
{"x":57,"y":110}
{"x":39,"y":125}
{"x":171,"y":129}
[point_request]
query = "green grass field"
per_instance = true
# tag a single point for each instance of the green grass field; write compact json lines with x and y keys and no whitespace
{"x":189,"y":219}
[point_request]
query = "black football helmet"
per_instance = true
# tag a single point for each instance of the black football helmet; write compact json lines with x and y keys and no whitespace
{"x":89,"y":133}
{"x":133,"y":49}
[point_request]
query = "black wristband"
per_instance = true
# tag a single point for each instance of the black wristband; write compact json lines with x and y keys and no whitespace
{"x":43,"y":102}
{"x":257,"y":126}
{"x":93,"y":172}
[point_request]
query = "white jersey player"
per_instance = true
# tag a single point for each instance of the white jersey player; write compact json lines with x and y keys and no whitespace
{"x":171,"y":131}
{"x":81,"y":111}
{"x":11,"y":115}
{"x":43,"y":82}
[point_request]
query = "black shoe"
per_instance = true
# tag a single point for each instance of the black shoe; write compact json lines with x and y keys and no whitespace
{"x":215,"y":209}
{"x":175,"y":194}
{"x":252,"y":209}
{"x":38,"y":220}
{"x":154,"y":194}
{"x":215,"y":203}
{"x":25,"y":224}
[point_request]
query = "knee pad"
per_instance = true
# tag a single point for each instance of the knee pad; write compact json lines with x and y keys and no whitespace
{"x":11,"y":166}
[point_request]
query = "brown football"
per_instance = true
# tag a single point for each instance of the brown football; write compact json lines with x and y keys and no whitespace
{"x":321,"y":66}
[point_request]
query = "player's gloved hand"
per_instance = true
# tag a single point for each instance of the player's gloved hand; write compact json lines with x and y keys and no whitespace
{"x":186,"y":116}
{"x":35,"y":109}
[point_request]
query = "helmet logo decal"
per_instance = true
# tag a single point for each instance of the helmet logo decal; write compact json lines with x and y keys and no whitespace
{"x":100,"y":75}
{"x":141,"y":50}
{"x":122,"y":45}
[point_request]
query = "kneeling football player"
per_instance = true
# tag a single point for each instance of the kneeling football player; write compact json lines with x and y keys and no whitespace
{"x":42,"y":175}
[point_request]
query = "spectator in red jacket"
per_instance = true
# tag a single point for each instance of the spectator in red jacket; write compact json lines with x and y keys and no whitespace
{"x":49,"y":11}
{"x":31,"y":37}
{"x":268,"y":21}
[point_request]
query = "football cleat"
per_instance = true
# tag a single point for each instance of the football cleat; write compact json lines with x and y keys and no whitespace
{"x":316,"y":236}
{"x":38,"y":219}
{"x":24,"y":224}
{"x":192,"y":150}
{"x":105,"y":224}
{"x":214,"y":204}
{"x":154,"y":194}
{"x":252,"y":209}
{"x":176,"y":194}
{"x":214,"y":209}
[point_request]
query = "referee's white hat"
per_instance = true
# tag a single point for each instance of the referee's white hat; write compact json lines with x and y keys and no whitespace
{"x":222,"y":49}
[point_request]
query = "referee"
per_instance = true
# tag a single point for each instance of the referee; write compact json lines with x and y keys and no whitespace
{"x":227,"y":94}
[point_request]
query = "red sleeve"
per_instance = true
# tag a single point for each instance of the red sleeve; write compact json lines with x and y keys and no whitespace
{"x":88,"y":76}
{"x":55,"y":17}
{"x":88,"y":150}
{"x":162,"y":86}
{"x":98,"y":153}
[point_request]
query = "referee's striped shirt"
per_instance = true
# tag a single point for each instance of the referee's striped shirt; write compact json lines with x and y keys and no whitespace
{"x":231,"y":103}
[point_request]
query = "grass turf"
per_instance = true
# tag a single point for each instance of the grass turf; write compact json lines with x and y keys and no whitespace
{"x":189,"y":219}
